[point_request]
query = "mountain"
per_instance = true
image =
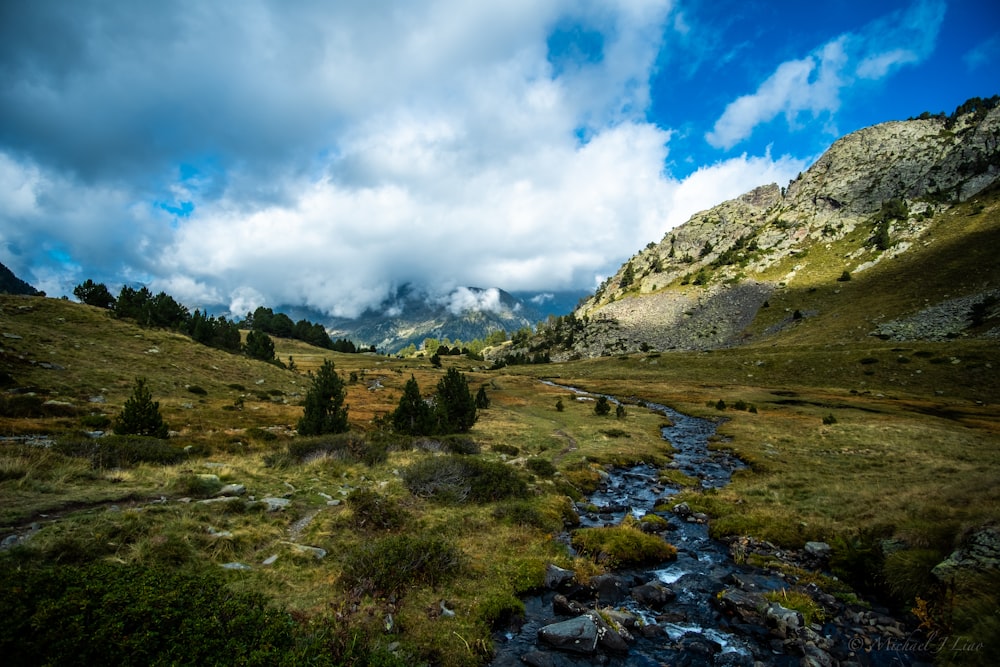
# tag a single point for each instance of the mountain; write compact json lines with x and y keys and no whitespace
{"x":913,"y":199}
{"x":411,"y":315}
{"x":11,"y":284}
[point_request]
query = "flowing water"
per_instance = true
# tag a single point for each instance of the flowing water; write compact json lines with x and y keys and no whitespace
{"x":690,"y":630}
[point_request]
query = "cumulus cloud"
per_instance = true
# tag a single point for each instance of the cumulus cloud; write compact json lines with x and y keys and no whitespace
{"x":324,"y":154}
{"x":815,"y":83}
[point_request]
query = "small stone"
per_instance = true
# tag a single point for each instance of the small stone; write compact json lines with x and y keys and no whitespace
{"x":235,"y":566}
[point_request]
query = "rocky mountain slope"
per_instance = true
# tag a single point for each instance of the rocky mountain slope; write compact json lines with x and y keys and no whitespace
{"x":877,"y":195}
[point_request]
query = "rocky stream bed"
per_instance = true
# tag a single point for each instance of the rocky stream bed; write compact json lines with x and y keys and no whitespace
{"x":703,"y":608}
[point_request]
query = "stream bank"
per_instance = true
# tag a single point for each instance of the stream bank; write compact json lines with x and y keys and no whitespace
{"x":704,"y":607}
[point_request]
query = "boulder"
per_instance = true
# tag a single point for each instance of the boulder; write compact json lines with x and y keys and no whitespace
{"x":609,"y":588}
{"x":653,"y":595}
{"x":556,"y":576}
{"x":980,"y":551}
{"x":577,"y":635}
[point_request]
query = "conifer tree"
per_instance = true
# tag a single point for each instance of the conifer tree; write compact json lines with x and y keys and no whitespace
{"x":482,"y":400}
{"x":141,"y":414}
{"x":455,"y":406}
{"x":413,"y":416}
{"x":324,"y":411}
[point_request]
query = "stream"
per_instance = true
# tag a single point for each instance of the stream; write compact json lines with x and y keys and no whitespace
{"x":707,"y":609}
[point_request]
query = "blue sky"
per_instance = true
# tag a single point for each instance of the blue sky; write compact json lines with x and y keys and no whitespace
{"x":321,"y":154}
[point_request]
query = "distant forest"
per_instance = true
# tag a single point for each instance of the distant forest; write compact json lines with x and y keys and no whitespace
{"x":163,"y":311}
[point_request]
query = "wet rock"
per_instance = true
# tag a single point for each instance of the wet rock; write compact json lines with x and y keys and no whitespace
{"x":683,"y":510}
{"x":741,"y":604}
{"x":609,"y":638}
{"x":653,"y":595}
{"x":544,"y":659}
{"x":563,"y":606}
{"x":556,"y":576}
{"x":609,"y":588}
{"x":577,"y":635}
{"x":783,"y":622}
{"x":697,"y":644}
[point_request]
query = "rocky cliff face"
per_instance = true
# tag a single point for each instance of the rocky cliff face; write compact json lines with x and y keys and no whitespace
{"x":874,"y":192}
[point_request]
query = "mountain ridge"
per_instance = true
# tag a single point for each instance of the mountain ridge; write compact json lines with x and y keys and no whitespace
{"x":874,"y":197}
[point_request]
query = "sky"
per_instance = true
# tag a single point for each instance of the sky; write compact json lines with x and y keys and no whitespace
{"x":324,"y":153}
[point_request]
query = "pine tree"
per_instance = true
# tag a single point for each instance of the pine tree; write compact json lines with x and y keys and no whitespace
{"x":482,"y":400}
{"x":324,"y":411}
{"x":260,"y":346}
{"x":455,"y":406}
{"x":413,"y":416}
{"x":602,"y":407}
{"x":141,"y":414}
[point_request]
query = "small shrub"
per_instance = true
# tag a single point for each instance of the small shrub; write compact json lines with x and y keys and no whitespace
{"x":526,"y":513}
{"x":509,"y":450}
{"x":616,"y":433}
{"x":95,"y":422}
{"x":141,"y":414}
{"x":104,"y":613}
{"x":121,"y":451}
{"x":720,"y":405}
{"x":868,"y":361}
{"x":560,"y":406}
{"x":257,"y":433}
{"x":541,"y":467}
{"x":371,"y":510}
{"x":390,"y":565}
{"x":829,"y":419}
{"x":460,"y":478}
{"x":197,"y":486}
{"x":195,"y":389}
{"x":349,"y":447}
{"x":602,"y":406}
{"x":844,"y":277}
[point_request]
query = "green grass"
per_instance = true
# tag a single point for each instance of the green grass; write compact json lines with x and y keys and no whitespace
{"x":912,"y":455}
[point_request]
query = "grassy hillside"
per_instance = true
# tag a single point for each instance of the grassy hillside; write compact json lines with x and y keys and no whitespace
{"x":856,"y":441}
{"x":78,"y":501}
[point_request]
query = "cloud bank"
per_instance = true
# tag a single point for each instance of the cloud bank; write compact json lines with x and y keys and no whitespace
{"x":324,"y":154}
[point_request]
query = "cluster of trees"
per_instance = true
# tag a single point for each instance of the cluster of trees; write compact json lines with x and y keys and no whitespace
{"x":452,"y":410}
{"x":976,"y":105}
{"x":163,"y":311}
{"x":278,"y":324}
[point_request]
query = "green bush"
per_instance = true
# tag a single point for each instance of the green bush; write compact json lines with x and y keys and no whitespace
{"x":390,"y":565}
{"x":195,"y":389}
{"x":371,"y":510}
{"x":121,"y":451}
{"x":509,"y":450}
{"x":351,"y":447}
{"x":95,"y":422}
{"x":526,"y":513}
{"x":141,"y":414}
{"x":602,"y":406}
{"x":109,"y":614}
{"x":541,"y":467}
{"x":462,"y":478}
{"x":829,"y":420}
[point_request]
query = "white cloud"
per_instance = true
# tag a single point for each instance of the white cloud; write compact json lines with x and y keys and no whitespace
{"x":331,"y":153}
{"x":815,"y":83}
